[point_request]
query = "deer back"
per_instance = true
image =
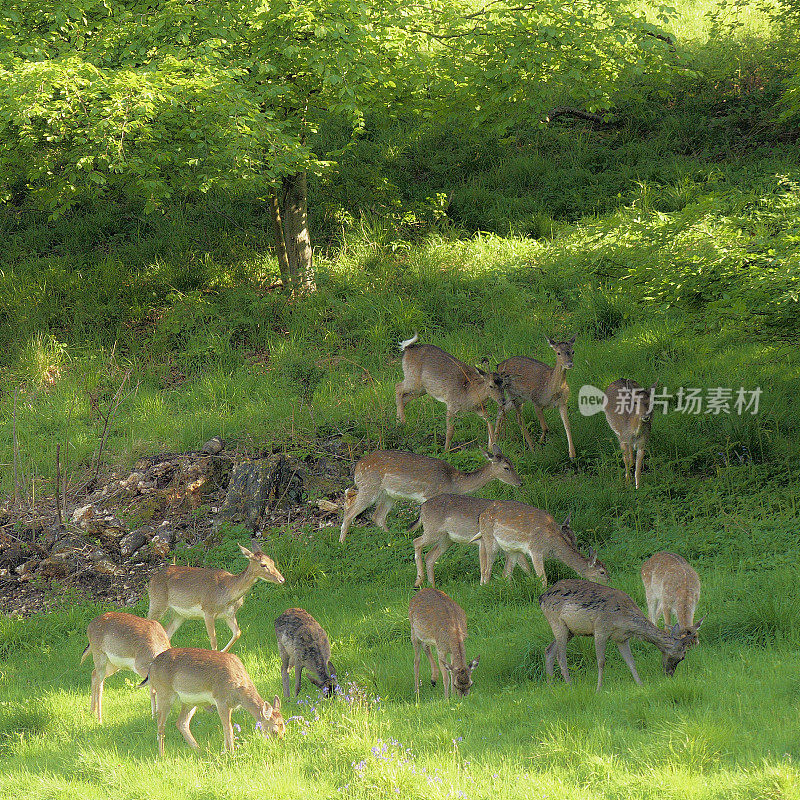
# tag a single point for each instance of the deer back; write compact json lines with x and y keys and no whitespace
{"x":533,"y":380}
{"x":448,"y":379}
{"x":670,"y":579}
{"x":457,"y":515}
{"x":306,"y":644}
{"x":437,"y":618}
{"x":126,"y":640}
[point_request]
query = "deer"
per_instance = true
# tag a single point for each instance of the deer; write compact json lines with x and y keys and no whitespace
{"x":543,"y":386}
{"x":438,"y":621}
{"x":196,"y":677}
{"x":671,"y":586}
{"x":576,"y":607}
{"x":302,"y":642}
{"x":206,"y":593}
{"x":521,"y":530}
{"x":445,"y":519}
{"x":121,"y":641}
{"x":629,"y":411}
{"x":428,"y":369}
{"x":385,"y":476}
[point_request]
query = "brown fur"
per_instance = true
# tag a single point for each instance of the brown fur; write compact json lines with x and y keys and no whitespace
{"x":630,"y":415}
{"x":671,"y":586}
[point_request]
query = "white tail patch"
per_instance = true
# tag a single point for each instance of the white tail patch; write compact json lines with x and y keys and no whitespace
{"x":407,"y":342}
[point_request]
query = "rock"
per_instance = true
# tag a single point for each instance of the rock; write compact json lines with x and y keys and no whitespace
{"x":83,"y":514}
{"x":12,"y":555}
{"x":258,"y":484}
{"x":212,"y":446}
{"x":327,"y":506}
{"x":105,"y":566}
{"x":67,"y":547}
{"x":162,"y":540}
{"x":132,"y":541}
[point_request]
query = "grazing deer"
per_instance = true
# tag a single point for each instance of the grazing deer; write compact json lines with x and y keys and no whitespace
{"x":428,"y":369}
{"x":302,"y":642}
{"x":205,"y":593}
{"x":671,"y":586}
{"x":521,"y":530}
{"x":198,"y":677}
{"x":583,"y":608}
{"x":388,"y":475}
{"x":445,"y":519}
{"x":121,"y":641}
{"x":629,"y":411}
{"x":544,"y":386}
{"x":437,"y":621}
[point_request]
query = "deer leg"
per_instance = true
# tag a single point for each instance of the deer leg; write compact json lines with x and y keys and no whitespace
{"x":537,"y":559}
{"x":298,"y":672}
{"x":600,"y":642}
{"x":235,"y":631}
{"x":627,"y":457}
{"x":625,"y":651}
{"x":110,"y":669}
{"x":490,"y":553}
{"x":446,"y":677}
{"x":434,"y":665}
{"x":184,"y":719}
{"x":285,"y":673}
{"x":361,"y":502}
{"x":523,"y":427}
{"x":162,"y":709}
{"x":653,"y":609}
{"x":481,"y":412}
{"x":433,"y":556}
{"x":227,"y":726}
{"x":450,"y":424}
{"x":562,"y":636}
{"x":173,"y":626}
{"x":639,"y":460}
{"x":211,"y":628}
{"x":540,"y":417}
{"x":565,"y":419}
{"x":416,"y":643}
{"x":402,"y":394}
{"x":382,"y":509}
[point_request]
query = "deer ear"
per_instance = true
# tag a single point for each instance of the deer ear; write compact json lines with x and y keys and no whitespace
{"x":245,"y":552}
{"x":550,"y":341}
{"x":485,"y":454}
{"x":675,"y":630}
{"x":448,"y":666}
{"x":592,"y":557}
{"x":474,"y":663}
{"x":565,"y":523}
{"x":572,"y":340}
{"x":276,"y":703}
{"x":697,"y":625}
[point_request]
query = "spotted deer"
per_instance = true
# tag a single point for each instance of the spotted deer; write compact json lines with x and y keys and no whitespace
{"x":428,"y":369}
{"x":121,"y":641}
{"x":582,"y":608}
{"x":629,"y":411}
{"x":206,"y":593}
{"x":302,"y":642}
{"x":522,"y":530}
{"x":671,"y":586}
{"x":445,"y":519}
{"x":437,"y":621}
{"x":543,"y":386}
{"x":196,"y":677}
{"x":385,"y":476}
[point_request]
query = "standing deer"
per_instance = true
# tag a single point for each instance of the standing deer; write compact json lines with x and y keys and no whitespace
{"x":196,"y":677}
{"x":385,"y":476}
{"x":428,"y":369}
{"x":629,"y":411}
{"x":521,"y":530}
{"x":582,"y":608}
{"x":445,"y":519}
{"x":671,"y":586}
{"x":544,"y":386}
{"x":121,"y":641}
{"x":437,"y":621}
{"x":302,"y":642}
{"x":205,"y":593}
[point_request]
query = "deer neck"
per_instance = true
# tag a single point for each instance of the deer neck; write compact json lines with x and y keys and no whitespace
{"x":250,"y":700}
{"x":570,"y":555}
{"x":645,"y":629}
{"x":238,"y":586}
{"x":557,"y":380}
{"x":468,"y":482}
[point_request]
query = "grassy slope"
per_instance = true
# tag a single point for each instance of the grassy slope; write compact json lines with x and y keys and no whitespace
{"x":671,"y":250}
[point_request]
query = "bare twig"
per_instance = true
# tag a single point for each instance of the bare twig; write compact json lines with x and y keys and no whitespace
{"x":112,"y":408}
{"x":17,"y":497}
{"x":59,"y":512}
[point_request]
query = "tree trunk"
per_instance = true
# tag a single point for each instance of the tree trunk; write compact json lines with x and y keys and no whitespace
{"x":280,"y":241}
{"x":296,"y":234}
